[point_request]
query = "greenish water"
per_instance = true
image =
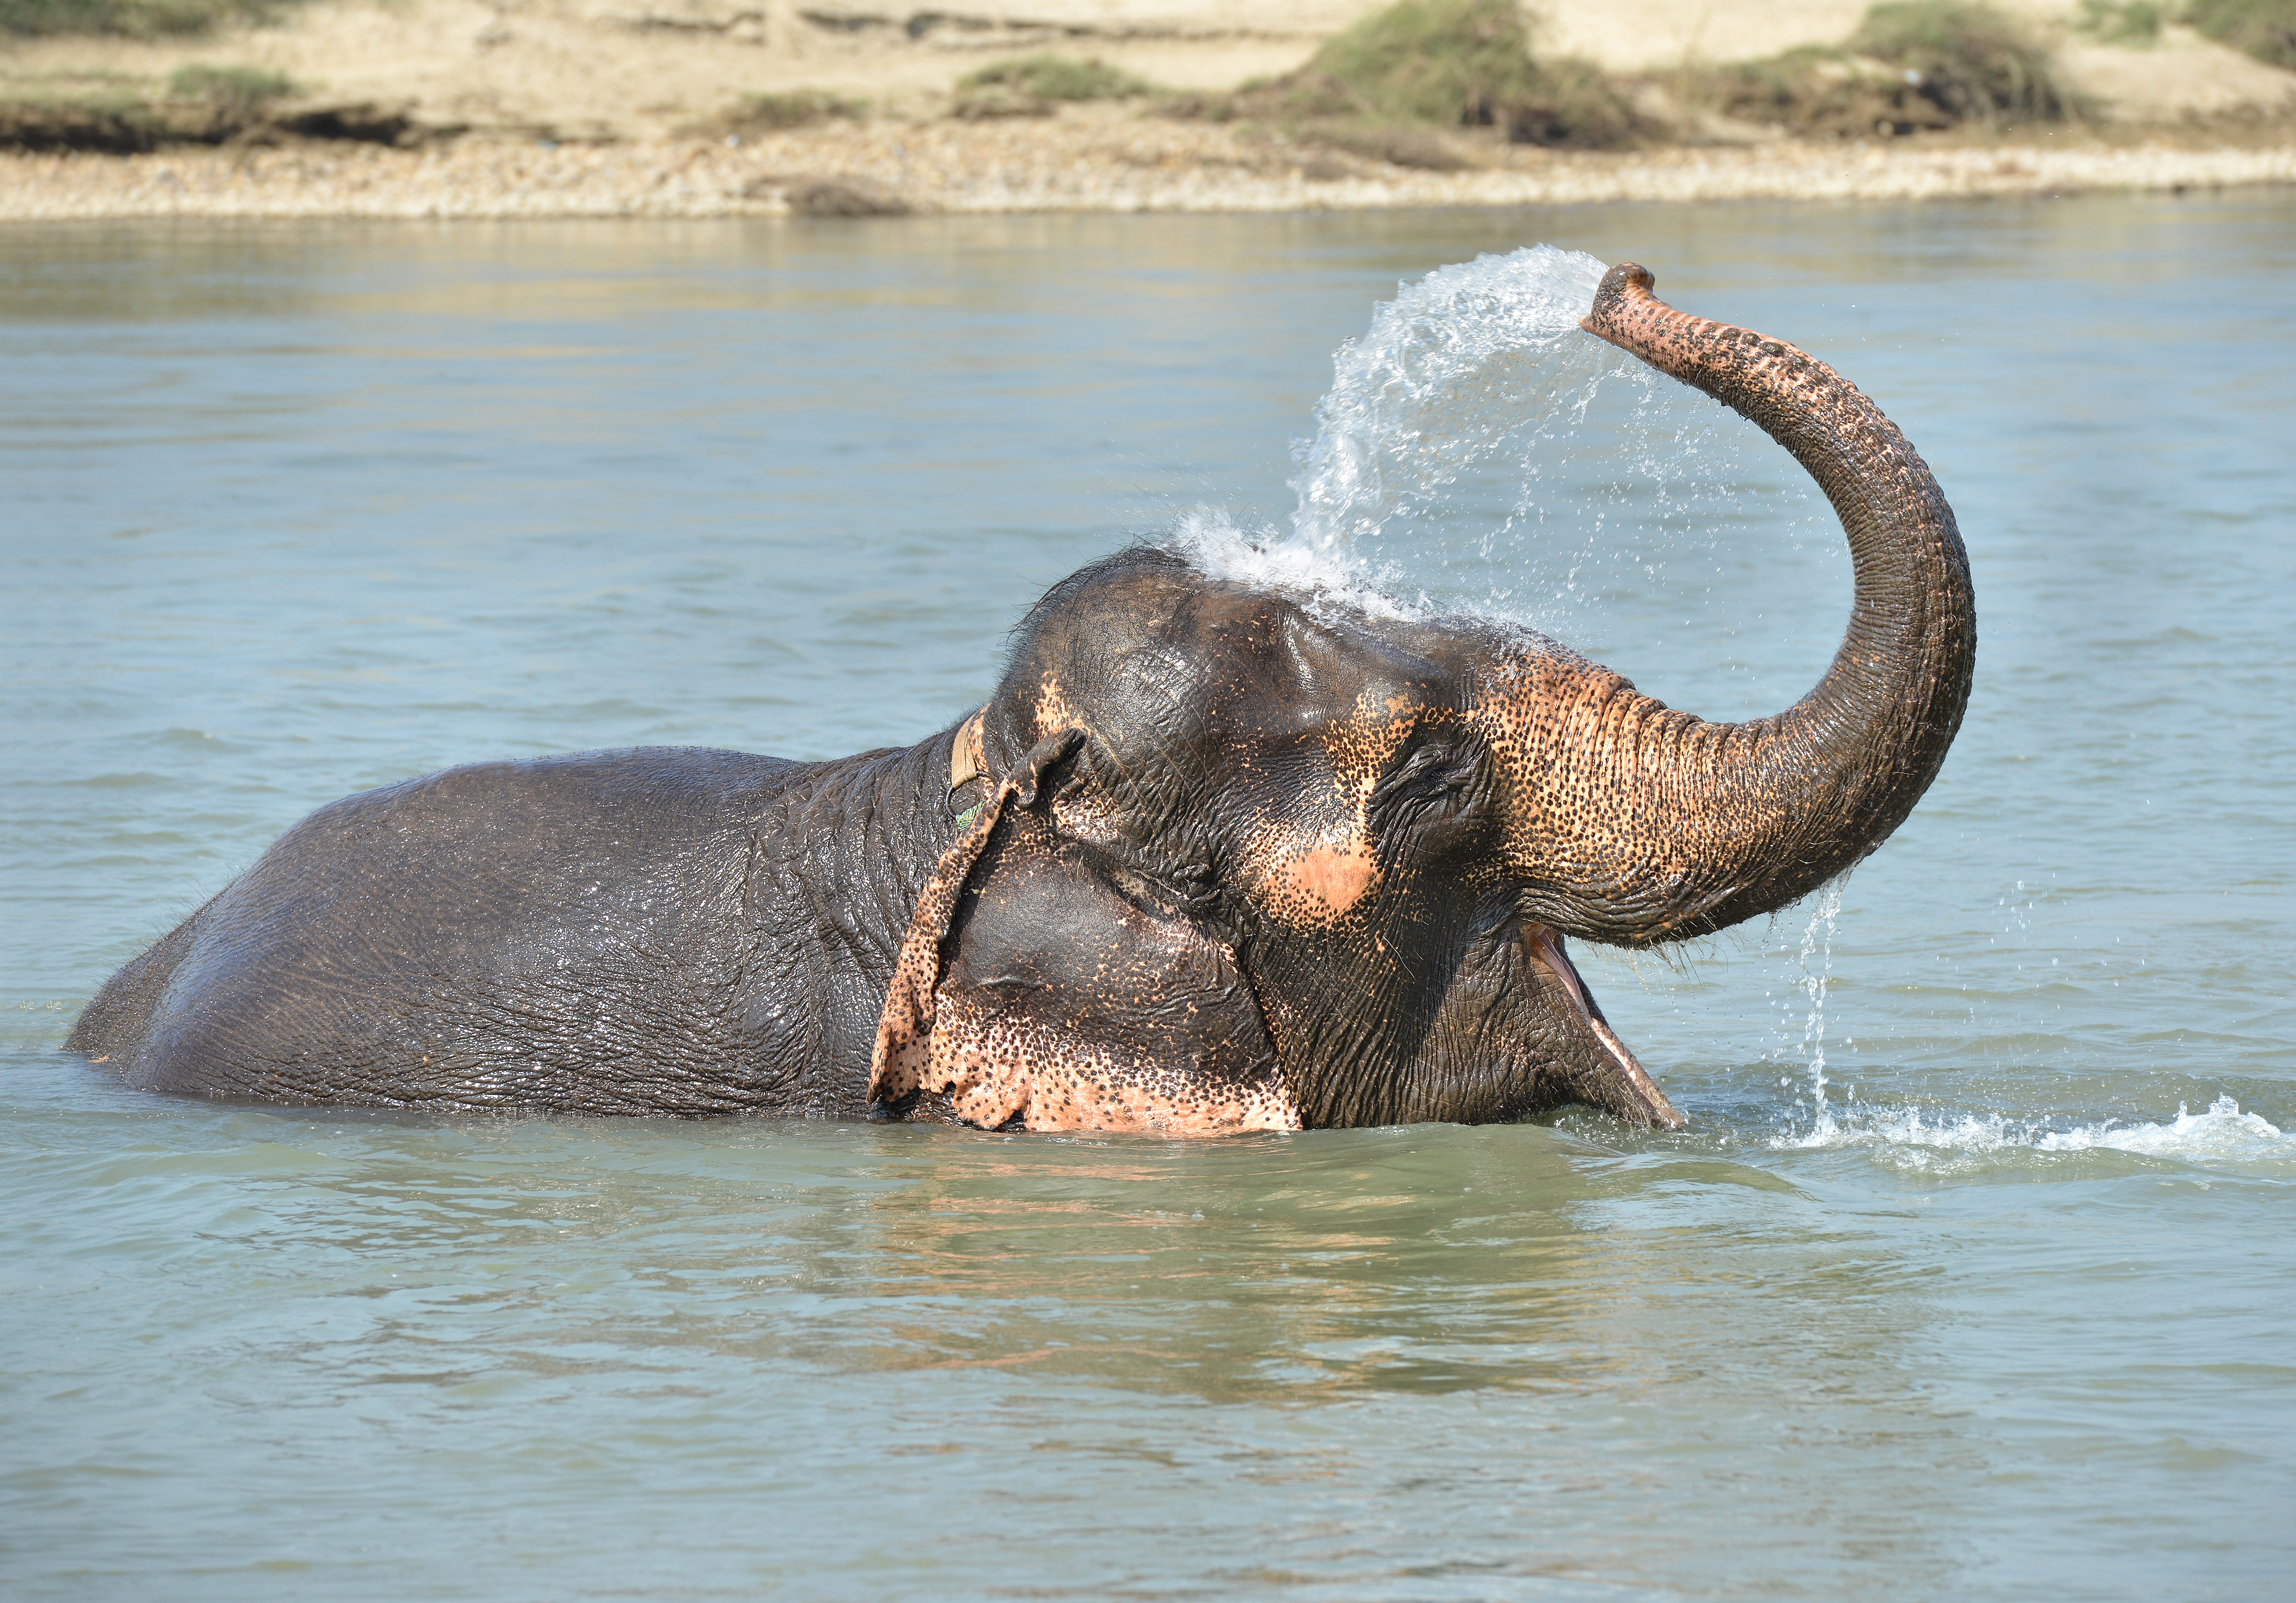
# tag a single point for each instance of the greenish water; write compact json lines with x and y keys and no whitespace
{"x":288,"y":512}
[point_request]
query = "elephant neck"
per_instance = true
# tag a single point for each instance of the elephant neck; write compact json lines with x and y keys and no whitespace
{"x":838,"y":858}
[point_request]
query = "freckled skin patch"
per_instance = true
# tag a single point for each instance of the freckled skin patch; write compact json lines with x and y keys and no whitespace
{"x":1053,"y":710}
{"x":904,"y":1045}
{"x":1321,"y":884}
{"x":1318,"y":856}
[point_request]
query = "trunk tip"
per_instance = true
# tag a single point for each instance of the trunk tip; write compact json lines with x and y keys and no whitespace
{"x":1630,"y":281}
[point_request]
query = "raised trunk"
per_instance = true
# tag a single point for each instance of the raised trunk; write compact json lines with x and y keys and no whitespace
{"x":1642,"y":824}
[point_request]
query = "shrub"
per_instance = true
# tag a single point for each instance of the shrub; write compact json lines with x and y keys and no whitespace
{"x":1027,"y":85}
{"x":2135,"y":22}
{"x":1466,"y":63}
{"x":1974,"y":65}
{"x":1925,"y":65}
{"x":774,"y":113}
{"x":1442,"y":62}
{"x":1573,"y":103}
{"x":2264,"y":28}
{"x":131,"y":19}
{"x":115,"y":130}
{"x":235,"y":93}
{"x":1813,"y":90}
{"x":1433,"y":64}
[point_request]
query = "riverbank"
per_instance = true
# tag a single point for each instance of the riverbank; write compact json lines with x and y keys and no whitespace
{"x":1087,"y":159}
{"x":638,"y":108}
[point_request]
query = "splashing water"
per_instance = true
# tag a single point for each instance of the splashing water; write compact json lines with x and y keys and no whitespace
{"x":1906,"y":1135}
{"x":1449,"y":370}
{"x":1453,"y":448}
{"x":1469,"y":358}
{"x":1817,"y":943}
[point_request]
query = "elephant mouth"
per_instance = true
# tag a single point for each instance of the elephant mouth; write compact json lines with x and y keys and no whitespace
{"x":1605,"y":1074}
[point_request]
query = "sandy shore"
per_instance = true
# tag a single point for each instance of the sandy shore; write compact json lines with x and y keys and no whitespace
{"x":1088,"y":160}
{"x":573,"y":107}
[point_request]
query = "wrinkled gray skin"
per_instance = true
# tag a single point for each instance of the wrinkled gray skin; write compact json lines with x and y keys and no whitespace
{"x":1230,"y":861}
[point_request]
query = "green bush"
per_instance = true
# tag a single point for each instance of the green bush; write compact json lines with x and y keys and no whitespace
{"x":1431,"y":64}
{"x":1913,"y":66}
{"x":1048,"y":76}
{"x":772,"y":114}
{"x":1466,"y":63}
{"x":2135,"y":22}
{"x":1441,"y":61}
{"x":1974,"y":65}
{"x":1812,"y":90}
{"x":1573,"y":103}
{"x":2264,"y":28}
{"x":130,"y":19}
{"x":236,"y":94}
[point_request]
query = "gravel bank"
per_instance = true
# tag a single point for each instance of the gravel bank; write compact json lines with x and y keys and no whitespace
{"x":1072,"y":163}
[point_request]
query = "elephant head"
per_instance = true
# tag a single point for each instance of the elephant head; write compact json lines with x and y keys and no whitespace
{"x":1236,"y":859}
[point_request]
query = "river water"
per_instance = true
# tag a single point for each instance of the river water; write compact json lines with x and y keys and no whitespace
{"x":1974,"y":1274}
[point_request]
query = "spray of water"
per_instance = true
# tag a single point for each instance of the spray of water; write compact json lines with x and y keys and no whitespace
{"x":1450,"y":370}
{"x":1456,"y":466}
{"x":1817,"y":970}
{"x":1433,"y":415}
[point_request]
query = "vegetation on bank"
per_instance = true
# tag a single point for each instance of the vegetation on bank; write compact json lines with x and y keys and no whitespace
{"x":2136,"y":23}
{"x":1911,"y":66}
{"x":130,"y":19}
{"x":2264,"y":29}
{"x":1030,"y":86}
{"x":1393,"y":85}
{"x":234,"y":93}
{"x":755,"y":114}
{"x":1401,"y":86}
{"x":1429,"y":83}
{"x":203,"y":104}
{"x":1458,"y":64}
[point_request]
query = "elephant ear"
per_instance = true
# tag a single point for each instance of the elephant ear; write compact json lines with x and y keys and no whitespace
{"x":1032,"y":991}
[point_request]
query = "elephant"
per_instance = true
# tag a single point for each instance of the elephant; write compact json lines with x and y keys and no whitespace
{"x":1213,"y":858}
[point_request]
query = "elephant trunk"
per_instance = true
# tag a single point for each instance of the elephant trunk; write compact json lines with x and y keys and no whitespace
{"x":1637,"y":824}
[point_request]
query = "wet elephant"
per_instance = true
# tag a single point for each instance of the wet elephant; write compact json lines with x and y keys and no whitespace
{"x":1212,"y":858}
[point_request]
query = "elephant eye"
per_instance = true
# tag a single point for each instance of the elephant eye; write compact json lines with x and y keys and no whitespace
{"x":1431,"y":770}
{"x":1433,"y":781}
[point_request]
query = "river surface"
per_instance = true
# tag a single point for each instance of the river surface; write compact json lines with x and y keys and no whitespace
{"x":1973,"y":1276}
